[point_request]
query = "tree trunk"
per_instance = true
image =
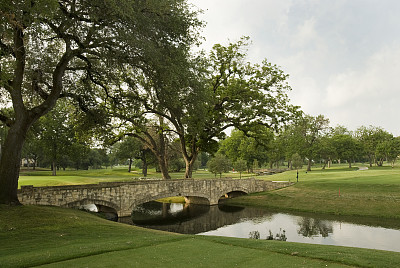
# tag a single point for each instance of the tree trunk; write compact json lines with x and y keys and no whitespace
{"x":144,"y":168}
{"x":189,"y":164}
{"x":10,"y":162}
{"x":325,"y":162}
{"x":349,"y":163}
{"x":309,"y":165}
{"x":34,"y":163}
{"x":53,"y":168}
{"x":162,"y":163}
{"x":130,"y":165}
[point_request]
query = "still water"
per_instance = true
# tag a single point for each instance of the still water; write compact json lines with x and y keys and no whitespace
{"x":248,"y":222}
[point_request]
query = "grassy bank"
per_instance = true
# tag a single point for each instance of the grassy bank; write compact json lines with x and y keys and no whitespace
{"x":340,"y":191}
{"x":56,"y":237}
{"x":43,"y":177}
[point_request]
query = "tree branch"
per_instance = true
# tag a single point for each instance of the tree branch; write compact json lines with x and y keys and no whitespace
{"x":6,"y":49}
{"x":6,"y":120}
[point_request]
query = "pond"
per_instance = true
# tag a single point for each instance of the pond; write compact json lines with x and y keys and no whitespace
{"x":250,"y":222}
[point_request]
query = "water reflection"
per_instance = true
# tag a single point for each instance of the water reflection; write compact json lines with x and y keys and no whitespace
{"x":281,"y":236}
{"x":187,"y":218}
{"x":164,"y":214}
{"x":258,"y":223}
{"x":310,"y":227}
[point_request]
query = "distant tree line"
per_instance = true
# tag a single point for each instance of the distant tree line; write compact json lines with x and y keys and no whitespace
{"x":312,"y":140}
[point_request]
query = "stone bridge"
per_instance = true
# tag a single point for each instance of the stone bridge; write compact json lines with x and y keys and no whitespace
{"x":122,"y":197}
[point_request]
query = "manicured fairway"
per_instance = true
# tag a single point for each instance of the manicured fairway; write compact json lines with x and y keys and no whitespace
{"x":341,"y":191}
{"x":73,"y":177}
{"x":56,"y":237}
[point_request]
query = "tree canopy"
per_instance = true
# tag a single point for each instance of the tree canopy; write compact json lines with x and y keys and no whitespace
{"x":50,"y":49}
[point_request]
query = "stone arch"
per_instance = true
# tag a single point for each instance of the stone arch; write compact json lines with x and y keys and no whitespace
{"x":97,"y":202}
{"x":233,"y":192}
{"x":164,"y":195}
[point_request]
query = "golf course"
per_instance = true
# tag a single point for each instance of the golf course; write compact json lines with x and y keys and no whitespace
{"x":58,"y":237}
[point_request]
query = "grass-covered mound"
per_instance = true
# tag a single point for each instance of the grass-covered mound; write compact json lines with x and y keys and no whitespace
{"x":341,"y":191}
{"x":57,"y":237}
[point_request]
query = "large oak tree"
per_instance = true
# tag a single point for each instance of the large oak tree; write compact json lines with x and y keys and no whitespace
{"x":201,"y":97}
{"x":51,"y":49}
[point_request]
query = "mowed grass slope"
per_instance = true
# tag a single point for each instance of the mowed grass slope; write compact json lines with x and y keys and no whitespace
{"x":43,"y":177}
{"x":341,"y":191}
{"x":56,"y":237}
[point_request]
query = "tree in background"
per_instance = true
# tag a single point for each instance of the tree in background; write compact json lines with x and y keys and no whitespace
{"x":203,"y":157}
{"x":389,"y":150}
{"x":240,"y":165}
{"x":305,"y":134}
{"x":346,"y":147}
{"x":128,"y":149}
{"x":297,"y":162}
{"x":326,"y":150}
{"x":370,"y":137}
{"x":219,"y":164}
{"x":247,"y":147}
{"x":55,"y":135}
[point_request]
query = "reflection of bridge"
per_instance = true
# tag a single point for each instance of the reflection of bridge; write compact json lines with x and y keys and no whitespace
{"x":204,"y":218}
{"x":123,"y":196}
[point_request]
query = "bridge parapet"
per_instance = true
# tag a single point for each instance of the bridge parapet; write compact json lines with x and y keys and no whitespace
{"x":123,"y":196}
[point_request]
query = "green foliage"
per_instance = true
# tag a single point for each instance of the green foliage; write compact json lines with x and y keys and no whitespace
{"x":80,"y":50}
{"x":297,"y":161}
{"x":255,"y":146}
{"x":388,"y":149}
{"x":240,"y":165}
{"x":305,"y":134}
{"x":370,"y":137}
{"x":346,"y":147}
{"x":219,"y":164}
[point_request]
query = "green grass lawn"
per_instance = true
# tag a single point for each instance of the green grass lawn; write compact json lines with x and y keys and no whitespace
{"x":339,"y":190}
{"x":72,"y":177}
{"x":56,"y":237}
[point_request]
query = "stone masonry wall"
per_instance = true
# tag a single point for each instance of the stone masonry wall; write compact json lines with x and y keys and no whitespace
{"x":123,"y":196}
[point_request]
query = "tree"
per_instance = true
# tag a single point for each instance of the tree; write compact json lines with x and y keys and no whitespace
{"x":241,"y":146}
{"x":326,"y":150}
{"x":297,"y":162}
{"x":51,"y":49}
{"x":389,"y":149}
{"x":346,"y":147}
{"x":219,"y":164}
{"x":55,"y":135}
{"x":305,"y":134}
{"x":128,"y":149}
{"x":199,"y":99}
{"x":240,"y":166}
{"x":370,"y":137}
{"x":203,"y":157}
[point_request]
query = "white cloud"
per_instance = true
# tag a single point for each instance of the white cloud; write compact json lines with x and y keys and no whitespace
{"x":343,"y":56}
{"x":306,"y":34}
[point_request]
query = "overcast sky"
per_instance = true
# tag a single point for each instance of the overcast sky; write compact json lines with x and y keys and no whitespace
{"x":343,"y":56}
